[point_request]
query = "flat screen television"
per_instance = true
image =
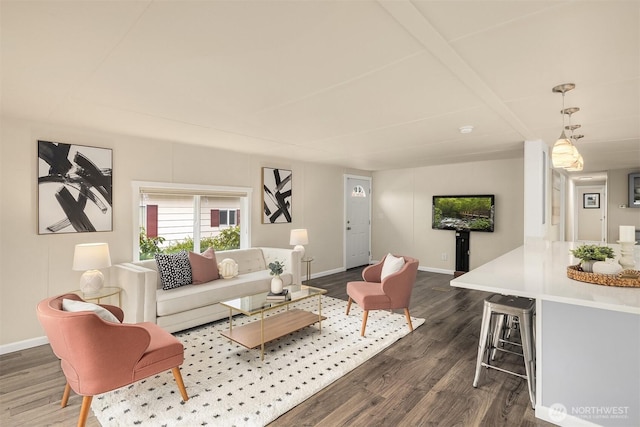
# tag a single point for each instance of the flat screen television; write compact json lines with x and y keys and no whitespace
{"x":464,"y":213}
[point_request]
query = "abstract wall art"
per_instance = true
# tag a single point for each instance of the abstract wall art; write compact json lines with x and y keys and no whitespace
{"x":276,"y":195}
{"x":74,"y":188}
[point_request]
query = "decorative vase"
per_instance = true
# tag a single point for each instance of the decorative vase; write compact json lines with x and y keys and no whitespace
{"x":228,"y":268}
{"x":276,"y":285}
{"x":626,"y":254}
{"x":587,"y":265}
{"x":607,"y":267}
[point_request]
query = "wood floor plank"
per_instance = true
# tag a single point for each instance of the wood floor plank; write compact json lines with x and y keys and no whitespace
{"x":424,"y":379}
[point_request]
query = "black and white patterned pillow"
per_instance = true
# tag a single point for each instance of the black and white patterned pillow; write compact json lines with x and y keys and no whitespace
{"x":174,"y":269}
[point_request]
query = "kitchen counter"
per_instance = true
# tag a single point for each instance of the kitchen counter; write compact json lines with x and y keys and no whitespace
{"x":539,"y":270}
{"x":587,"y":335}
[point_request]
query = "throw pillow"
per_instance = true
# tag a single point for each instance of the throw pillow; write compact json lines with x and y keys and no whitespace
{"x":72,"y":305}
{"x":204,"y":267}
{"x":174,"y":269}
{"x":391,"y":265}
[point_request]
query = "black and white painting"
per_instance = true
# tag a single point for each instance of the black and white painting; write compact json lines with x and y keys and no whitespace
{"x":591,"y":200}
{"x":74,"y":188}
{"x":276,"y":195}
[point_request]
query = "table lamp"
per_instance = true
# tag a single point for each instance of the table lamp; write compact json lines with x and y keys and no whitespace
{"x":299,"y":237}
{"x":89,"y":257}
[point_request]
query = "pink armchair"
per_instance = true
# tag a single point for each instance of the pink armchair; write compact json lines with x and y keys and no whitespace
{"x":394,"y":292}
{"x":99,"y":356}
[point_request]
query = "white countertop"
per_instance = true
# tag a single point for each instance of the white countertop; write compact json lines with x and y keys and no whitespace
{"x":538,"y":270}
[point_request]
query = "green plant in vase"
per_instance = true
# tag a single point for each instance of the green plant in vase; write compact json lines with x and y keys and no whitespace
{"x":275,"y":269}
{"x":588,"y":254}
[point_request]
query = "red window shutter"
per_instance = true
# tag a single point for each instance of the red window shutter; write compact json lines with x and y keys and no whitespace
{"x":215,"y":218}
{"x":237,"y":216}
{"x":152,"y":220}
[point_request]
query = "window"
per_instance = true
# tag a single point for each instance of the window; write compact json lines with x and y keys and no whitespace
{"x":225,"y":216}
{"x":358,"y":191}
{"x":173,"y":217}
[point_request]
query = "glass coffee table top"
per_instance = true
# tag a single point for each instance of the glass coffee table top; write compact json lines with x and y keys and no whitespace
{"x":254,"y":304}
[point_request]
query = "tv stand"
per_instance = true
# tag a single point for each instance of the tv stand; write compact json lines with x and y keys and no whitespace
{"x":462,"y":253}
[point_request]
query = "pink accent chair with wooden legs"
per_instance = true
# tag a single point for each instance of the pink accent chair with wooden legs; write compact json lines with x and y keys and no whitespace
{"x":98,"y":356}
{"x":394,"y":292}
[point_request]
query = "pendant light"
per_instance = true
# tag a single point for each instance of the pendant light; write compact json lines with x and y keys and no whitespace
{"x":563,"y":154}
{"x":579,"y":164}
{"x":569,"y":112}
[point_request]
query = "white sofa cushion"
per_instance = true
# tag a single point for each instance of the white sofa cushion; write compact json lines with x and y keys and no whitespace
{"x":188,"y":297}
{"x":249,"y":260}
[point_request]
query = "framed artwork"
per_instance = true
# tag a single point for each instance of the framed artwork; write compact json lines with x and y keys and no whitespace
{"x":276,"y":196}
{"x":591,"y":200}
{"x":74,"y":188}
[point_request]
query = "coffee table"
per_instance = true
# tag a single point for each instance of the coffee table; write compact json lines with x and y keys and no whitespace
{"x":269,"y":328}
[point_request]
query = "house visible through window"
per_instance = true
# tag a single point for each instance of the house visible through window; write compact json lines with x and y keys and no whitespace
{"x":227,"y":217}
{"x":173,"y":219}
{"x":222,"y":217}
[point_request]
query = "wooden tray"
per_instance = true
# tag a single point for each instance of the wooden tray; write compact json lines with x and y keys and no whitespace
{"x":626,"y":278}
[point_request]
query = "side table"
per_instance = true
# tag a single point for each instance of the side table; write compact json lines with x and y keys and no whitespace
{"x":308,"y":261}
{"x":102,"y":293}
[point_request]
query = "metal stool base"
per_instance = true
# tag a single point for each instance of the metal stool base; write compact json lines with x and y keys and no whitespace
{"x":517,"y":311}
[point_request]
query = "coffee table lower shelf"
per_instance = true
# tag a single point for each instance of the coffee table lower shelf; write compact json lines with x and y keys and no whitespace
{"x":273,"y":327}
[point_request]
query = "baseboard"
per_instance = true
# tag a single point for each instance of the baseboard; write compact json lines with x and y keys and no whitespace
{"x":428,"y":269}
{"x":326,"y":273}
{"x":436,"y":270}
{"x":560,"y":417}
{"x":23,"y":345}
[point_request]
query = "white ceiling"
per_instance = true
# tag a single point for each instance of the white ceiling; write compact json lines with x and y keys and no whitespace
{"x":364,"y":84}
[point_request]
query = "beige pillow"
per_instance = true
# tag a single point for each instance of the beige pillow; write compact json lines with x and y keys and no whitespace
{"x":73,"y":306}
{"x":391,"y":265}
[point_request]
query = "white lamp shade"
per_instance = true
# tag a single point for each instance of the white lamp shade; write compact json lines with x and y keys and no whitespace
{"x":91,"y":256}
{"x":578,"y":165}
{"x":299,"y":237}
{"x":564,"y":153}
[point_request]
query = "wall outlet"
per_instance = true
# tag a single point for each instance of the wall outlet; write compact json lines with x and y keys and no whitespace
{"x":444,"y":256}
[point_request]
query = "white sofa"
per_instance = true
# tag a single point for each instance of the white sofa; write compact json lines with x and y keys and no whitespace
{"x":144,"y":300}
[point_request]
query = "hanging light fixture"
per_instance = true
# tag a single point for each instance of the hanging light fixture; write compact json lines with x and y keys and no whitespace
{"x":579,"y":164}
{"x":569,"y":112}
{"x":563,"y":154}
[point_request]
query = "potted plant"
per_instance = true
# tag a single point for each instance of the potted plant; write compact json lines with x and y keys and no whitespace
{"x":588,"y":254}
{"x":275,"y":269}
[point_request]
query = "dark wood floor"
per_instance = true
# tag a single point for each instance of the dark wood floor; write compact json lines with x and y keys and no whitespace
{"x":422,"y":380}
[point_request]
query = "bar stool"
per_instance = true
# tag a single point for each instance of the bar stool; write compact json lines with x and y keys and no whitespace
{"x":501,"y":314}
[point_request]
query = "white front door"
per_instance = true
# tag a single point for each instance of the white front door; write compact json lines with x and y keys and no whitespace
{"x":358,"y":221}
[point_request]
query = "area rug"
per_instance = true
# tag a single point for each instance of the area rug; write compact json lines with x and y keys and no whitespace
{"x":229,"y":385}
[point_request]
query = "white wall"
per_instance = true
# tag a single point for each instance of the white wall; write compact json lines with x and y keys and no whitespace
{"x":402,"y":200}
{"x":33,"y":267}
{"x":537,"y":190}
